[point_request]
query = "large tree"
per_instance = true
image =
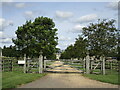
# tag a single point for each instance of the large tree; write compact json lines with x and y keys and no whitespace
{"x":101,"y":36}
{"x":34,"y":37}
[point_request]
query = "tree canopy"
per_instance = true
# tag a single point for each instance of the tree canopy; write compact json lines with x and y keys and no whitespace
{"x":10,"y":51}
{"x":78,"y":50}
{"x":100,"y":38}
{"x":39,"y":35}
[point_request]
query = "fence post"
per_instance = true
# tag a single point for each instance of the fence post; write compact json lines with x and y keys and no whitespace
{"x":87,"y":64}
{"x":84,"y":65}
{"x":91,"y":64}
{"x":28,"y":65}
{"x":102,"y":59}
{"x":25,"y":63}
{"x":111,"y":65}
{"x":11,"y":64}
{"x":40,"y":63}
{"x":44,"y":65}
{"x":1,"y":60}
{"x":101,"y":63}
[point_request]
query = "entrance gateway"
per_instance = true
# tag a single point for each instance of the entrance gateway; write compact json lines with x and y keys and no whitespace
{"x":86,"y":65}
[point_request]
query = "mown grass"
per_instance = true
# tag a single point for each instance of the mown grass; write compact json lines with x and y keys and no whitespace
{"x":13,"y":79}
{"x":110,"y":77}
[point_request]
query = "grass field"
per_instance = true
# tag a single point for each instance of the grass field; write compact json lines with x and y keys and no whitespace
{"x":110,"y":77}
{"x":17,"y":77}
{"x":13,"y":79}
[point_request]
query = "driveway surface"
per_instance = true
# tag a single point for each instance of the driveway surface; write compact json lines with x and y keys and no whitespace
{"x":66,"y":80}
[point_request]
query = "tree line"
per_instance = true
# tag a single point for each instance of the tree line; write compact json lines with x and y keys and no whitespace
{"x":33,"y":37}
{"x":97,"y":39}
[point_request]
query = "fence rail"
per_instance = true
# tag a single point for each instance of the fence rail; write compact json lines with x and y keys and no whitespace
{"x":10,"y":64}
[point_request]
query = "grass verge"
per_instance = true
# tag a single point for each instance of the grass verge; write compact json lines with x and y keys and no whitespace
{"x":13,"y":79}
{"x":110,"y":77}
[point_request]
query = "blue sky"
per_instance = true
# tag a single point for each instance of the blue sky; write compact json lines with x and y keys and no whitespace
{"x":69,"y":17}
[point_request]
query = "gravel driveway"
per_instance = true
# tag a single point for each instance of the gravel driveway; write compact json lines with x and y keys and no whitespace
{"x":66,"y":80}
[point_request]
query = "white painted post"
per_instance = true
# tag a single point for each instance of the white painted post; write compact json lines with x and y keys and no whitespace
{"x":111,"y":65}
{"x":84,"y":65}
{"x":102,"y":59}
{"x":101,"y":63}
{"x":40,"y":63}
{"x":87,"y":64}
{"x":44,"y":65}
{"x":25,"y":63}
{"x":91,"y":64}
{"x":28,"y":64}
{"x":103,"y":71}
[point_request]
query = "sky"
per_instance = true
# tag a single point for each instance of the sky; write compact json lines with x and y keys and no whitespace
{"x":69,"y":17}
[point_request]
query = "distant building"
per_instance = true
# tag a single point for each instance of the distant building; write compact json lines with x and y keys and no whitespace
{"x":58,"y":55}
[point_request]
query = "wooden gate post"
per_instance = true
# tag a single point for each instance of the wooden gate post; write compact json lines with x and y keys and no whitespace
{"x":91,"y":64}
{"x":44,"y":65}
{"x":1,"y":60}
{"x":84,"y":65}
{"x":25,"y":63}
{"x":40,"y":63}
{"x":87,"y":64}
{"x":28,"y":65}
{"x":102,"y":59}
{"x":111,"y":65}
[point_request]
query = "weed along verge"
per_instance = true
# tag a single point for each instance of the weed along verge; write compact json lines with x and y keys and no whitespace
{"x":14,"y":79}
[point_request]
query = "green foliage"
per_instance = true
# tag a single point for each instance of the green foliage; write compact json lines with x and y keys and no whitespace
{"x":36,"y":36}
{"x":10,"y":51}
{"x":13,"y":79}
{"x":101,"y":36}
{"x":80,"y":47}
{"x":68,"y":53}
{"x":78,"y":50}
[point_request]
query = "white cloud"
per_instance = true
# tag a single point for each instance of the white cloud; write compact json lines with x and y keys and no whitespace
{"x":20,"y":5}
{"x":63,"y":14}
{"x":29,"y":15}
{"x":1,"y":34}
{"x":77,"y":28}
{"x":6,"y":1}
{"x":5,"y":23}
{"x":62,"y":38}
{"x":87,"y":18}
{"x":6,"y":40}
{"x":64,"y":45}
{"x":113,"y":5}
